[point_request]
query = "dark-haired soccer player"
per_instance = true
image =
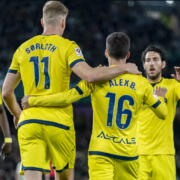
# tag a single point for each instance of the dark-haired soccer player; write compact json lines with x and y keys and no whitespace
{"x":44,"y":63}
{"x":113,"y":150}
{"x":156,"y":144}
{"x":6,"y":147}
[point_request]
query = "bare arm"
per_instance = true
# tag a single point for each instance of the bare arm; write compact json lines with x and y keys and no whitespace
{"x":10,"y":83}
{"x":4,"y":122}
{"x":89,"y":74}
{"x":7,"y":147}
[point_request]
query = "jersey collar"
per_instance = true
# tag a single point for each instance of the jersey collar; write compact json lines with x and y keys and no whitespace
{"x":153,"y":84}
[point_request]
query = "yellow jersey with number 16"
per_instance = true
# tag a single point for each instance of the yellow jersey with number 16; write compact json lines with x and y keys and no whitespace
{"x":45,"y":63}
{"x":116,"y":105}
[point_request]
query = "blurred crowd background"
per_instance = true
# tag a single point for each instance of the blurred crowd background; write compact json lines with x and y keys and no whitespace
{"x":88,"y":24}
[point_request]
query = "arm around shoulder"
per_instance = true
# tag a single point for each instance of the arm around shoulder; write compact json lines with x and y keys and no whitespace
{"x":89,"y":74}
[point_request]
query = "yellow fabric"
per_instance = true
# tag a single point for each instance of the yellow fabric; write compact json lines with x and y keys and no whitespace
{"x":115,"y":105}
{"x":112,"y":169}
{"x":60,"y":99}
{"x":157,"y":167}
{"x":8,"y":140}
{"x":44,"y":63}
{"x":156,"y":136}
{"x":0,"y":98}
{"x":39,"y":142}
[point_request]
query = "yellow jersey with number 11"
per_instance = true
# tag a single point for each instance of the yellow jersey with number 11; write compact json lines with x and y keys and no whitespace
{"x":45,"y":63}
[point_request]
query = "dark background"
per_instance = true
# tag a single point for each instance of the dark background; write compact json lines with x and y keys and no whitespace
{"x":88,"y":24}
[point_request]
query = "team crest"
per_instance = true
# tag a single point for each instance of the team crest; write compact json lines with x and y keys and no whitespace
{"x":166,"y":90}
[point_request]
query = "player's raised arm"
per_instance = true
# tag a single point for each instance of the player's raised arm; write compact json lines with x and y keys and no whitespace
{"x":83,"y":89}
{"x":176,"y":83}
{"x":156,"y":102}
{"x":10,"y":83}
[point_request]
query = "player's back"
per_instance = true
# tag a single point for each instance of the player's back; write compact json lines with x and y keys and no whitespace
{"x":44,"y":64}
{"x":115,"y":109}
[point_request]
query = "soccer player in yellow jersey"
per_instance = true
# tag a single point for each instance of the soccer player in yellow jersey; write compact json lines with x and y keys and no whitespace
{"x":6,"y":147}
{"x":156,"y":144}
{"x":113,"y":150}
{"x":44,"y":63}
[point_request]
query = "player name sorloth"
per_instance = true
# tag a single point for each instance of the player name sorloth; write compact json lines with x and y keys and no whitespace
{"x":38,"y":46}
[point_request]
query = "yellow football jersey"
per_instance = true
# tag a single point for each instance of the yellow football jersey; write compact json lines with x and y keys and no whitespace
{"x":0,"y":98}
{"x":45,"y":63}
{"x":116,"y":104}
{"x":155,"y":136}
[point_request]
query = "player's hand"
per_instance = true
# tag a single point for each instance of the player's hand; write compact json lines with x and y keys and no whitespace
{"x":177,"y":76}
{"x":24,"y":102}
{"x":6,"y":150}
{"x":160,"y":91}
{"x":132,"y":68}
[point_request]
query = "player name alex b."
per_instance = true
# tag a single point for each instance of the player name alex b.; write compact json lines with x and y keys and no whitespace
{"x":122,"y":82}
{"x":38,"y":46}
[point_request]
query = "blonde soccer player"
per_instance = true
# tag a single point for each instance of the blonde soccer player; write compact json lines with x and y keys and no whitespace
{"x":44,"y":64}
{"x":113,"y":149}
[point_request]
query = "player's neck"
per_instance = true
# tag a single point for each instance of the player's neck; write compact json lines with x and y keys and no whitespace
{"x":116,"y":62}
{"x":154,"y":80}
{"x":52,"y":30}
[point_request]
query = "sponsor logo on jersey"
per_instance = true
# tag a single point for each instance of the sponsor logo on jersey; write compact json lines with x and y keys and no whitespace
{"x":117,"y":139}
{"x":78,"y":52}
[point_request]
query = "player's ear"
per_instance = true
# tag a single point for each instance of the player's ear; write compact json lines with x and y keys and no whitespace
{"x":63,"y":24}
{"x":106,"y":53}
{"x":128,"y":55}
{"x":42,"y":22}
{"x":163,"y":64}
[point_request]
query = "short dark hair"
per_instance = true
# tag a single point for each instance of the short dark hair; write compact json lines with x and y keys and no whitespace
{"x":156,"y":49}
{"x":117,"y":45}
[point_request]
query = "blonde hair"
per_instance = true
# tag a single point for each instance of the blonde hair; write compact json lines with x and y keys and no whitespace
{"x":54,"y":11}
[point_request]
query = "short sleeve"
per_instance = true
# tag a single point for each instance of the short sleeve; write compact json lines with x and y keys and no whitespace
{"x":0,"y":97}
{"x":14,"y":68}
{"x":74,"y":54}
{"x":176,"y":89}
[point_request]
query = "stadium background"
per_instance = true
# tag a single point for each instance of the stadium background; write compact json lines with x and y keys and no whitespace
{"x":88,"y":24}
